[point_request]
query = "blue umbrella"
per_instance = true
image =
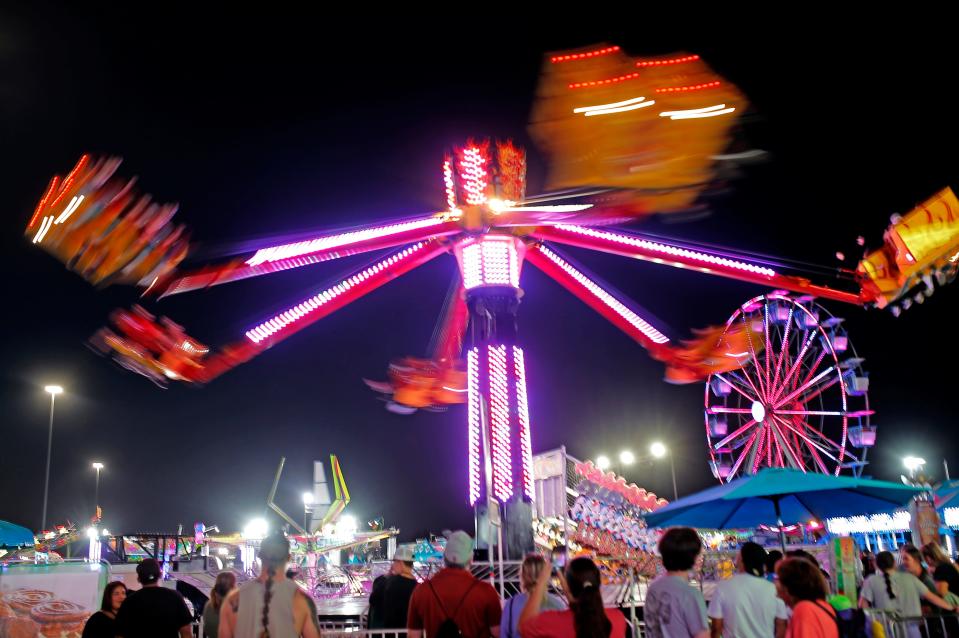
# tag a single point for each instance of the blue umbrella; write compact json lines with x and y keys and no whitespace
{"x":14,"y":536}
{"x":774,"y":495}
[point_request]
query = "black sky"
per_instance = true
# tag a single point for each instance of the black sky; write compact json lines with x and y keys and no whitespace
{"x":267,"y":124}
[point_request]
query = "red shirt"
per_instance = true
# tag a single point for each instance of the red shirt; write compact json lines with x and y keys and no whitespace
{"x":810,"y":620}
{"x":473,"y":612}
{"x":559,"y":624}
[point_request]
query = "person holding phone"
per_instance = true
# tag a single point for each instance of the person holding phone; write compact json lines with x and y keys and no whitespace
{"x":529,"y":573}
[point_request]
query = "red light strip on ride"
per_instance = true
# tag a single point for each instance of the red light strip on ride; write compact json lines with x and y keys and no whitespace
{"x":472,"y":376}
{"x":582,"y":56}
{"x":522,"y":410}
{"x":668,"y":250}
{"x":609,"y":300}
{"x":499,"y":422}
{"x":691,"y":87}
{"x":68,"y":182}
{"x":43,"y":201}
{"x":448,"y":183}
{"x":620,"y":78}
{"x":667,"y":62}
{"x":326,"y":242}
{"x":270,"y":327}
{"x":473,"y":170}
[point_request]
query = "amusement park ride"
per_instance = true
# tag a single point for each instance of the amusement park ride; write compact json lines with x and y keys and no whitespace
{"x":625,"y":138}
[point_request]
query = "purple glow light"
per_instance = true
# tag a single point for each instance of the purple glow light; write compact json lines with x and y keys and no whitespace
{"x":490,"y":260}
{"x":522,"y":409}
{"x":472,"y":375}
{"x":282,"y":320}
{"x":609,"y":300}
{"x":499,"y":422}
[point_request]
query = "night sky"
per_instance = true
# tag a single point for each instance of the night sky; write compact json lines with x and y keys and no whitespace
{"x":265,"y":125}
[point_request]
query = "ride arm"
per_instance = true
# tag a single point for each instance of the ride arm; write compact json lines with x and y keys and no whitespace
{"x":310,"y":251}
{"x":298,"y":317}
{"x":449,"y":345}
{"x":599,"y":299}
{"x":710,"y":262}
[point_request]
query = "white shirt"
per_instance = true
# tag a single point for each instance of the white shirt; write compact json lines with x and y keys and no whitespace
{"x":748,"y":606}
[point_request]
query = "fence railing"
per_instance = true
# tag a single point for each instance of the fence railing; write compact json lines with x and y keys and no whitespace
{"x":895,"y":626}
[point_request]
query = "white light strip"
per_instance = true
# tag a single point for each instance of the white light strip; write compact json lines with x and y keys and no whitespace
{"x":614,"y":304}
{"x":706,"y":111}
{"x":44,"y":227}
{"x":285,"y":251}
{"x":558,"y":208}
{"x":282,"y":320}
{"x":71,"y":207}
{"x":621,"y":109}
{"x":611,"y":105}
{"x":844,"y":526}
{"x":666,"y":249}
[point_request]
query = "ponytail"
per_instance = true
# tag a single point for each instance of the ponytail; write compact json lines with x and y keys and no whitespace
{"x":892,"y":595}
{"x":589,"y":613}
{"x":267,"y":596}
{"x":274,"y":552}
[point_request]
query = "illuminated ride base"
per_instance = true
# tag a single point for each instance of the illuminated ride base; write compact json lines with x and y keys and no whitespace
{"x":625,"y":138}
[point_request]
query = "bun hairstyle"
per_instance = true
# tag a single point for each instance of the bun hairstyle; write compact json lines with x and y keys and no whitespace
{"x":754,"y":558}
{"x":274,"y":552}
{"x":886,"y":561}
{"x":589,"y":614}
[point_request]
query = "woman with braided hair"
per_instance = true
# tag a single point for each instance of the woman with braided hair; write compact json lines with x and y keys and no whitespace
{"x":897,"y":591}
{"x":272,"y":606}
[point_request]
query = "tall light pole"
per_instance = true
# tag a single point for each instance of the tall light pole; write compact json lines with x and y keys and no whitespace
{"x":659,"y":450}
{"x":96,"y":492}
{"x":53,"y":390}
{"x":307,"y":510}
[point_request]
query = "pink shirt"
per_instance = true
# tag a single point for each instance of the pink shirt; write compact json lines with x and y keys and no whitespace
{"x":559,"y":624}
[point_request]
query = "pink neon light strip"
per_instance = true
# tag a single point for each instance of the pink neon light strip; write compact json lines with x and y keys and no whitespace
{"x":614,"y":304}
{"x":522,"y":408}
{"x":472,"y":372}
{"x":666,"y":249}
{"x":499,"y":420}
{"x":326,"y":242}
{"x":473,"y":171}
{"x":279,"y":322}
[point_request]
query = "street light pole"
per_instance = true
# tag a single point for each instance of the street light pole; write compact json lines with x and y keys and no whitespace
{"x":672,"y":468}
{"x":96,"y":492}
{"x":53,"y":390}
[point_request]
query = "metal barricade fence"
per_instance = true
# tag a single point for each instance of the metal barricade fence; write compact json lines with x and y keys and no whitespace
{"x":895,"y":626}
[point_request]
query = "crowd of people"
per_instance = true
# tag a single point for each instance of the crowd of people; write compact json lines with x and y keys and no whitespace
{"x":771,"y":595}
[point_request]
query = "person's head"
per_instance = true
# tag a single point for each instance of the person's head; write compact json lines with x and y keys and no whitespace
{"x":113,"y":596}
{"x":274,"y":553}
{"x":148,"y":572}
{"x":402,"y":560}
{"x":804,"y":555}
{"x":798,"y":579}
{"x":225,"y":583}
{"x":772,"y":559}
{"x":934,"y":554}
{"x":585,"y":600}
{"x":752,"y":559}
{"x":529,"y":572}
{"x":911,"y":559}
{"x":886,"y":563}
{"x":459,"y":550}
{"x":679,"y":547}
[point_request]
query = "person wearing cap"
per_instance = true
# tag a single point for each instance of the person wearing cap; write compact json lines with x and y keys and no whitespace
{"x":390,"y":598}
{"x":746,"y":605}
{"x":455,"y":594}
{"x":153,"y":611}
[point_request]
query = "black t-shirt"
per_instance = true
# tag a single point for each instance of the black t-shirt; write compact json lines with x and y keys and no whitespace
{"x":152,"y":612}
{"x":949,"y":574}
{"x":396,"y":600}
{"x":99,"y":626}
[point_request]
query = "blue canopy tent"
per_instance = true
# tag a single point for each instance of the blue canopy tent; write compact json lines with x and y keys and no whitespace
{"x":14,"y":536}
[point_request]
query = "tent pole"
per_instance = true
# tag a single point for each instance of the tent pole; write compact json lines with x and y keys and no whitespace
{"x":779,"y":523}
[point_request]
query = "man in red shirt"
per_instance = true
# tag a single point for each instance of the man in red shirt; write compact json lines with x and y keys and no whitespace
{"x":454,"y":594}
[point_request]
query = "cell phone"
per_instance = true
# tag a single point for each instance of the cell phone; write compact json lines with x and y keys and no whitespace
{"x":559,"y":558}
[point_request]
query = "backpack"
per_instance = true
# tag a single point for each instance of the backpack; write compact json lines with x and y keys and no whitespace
{"x":850,"y":623}
{"x":448,"y":628}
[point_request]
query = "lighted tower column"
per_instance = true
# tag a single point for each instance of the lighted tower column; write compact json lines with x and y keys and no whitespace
{"x":500,"y":450}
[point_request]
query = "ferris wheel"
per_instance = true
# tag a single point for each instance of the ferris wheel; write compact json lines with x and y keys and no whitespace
{"x":800,"y":398}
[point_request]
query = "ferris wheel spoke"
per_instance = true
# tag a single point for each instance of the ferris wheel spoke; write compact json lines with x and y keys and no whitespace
{"x":755,"y":454}
{"x":806,"y":386}
{"x":813,"y":449}
{"x":808,"y":439}
{"x":732,"y":437}
{"x":819,"y":390}
{"x":812,"y":412}
{"x":743,"y":454}
{"x":791,"y":454}
{"x":738,"y":387}
{"x":814,"y":369}
{"x":792,"y":374}
{"x":783,"y":351}
{"x":766,"y":335}
{"x":752,"y":350}
{"x":719,"y":409}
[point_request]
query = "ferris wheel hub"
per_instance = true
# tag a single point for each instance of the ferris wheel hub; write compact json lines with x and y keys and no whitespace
{"x":758,"y":411}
